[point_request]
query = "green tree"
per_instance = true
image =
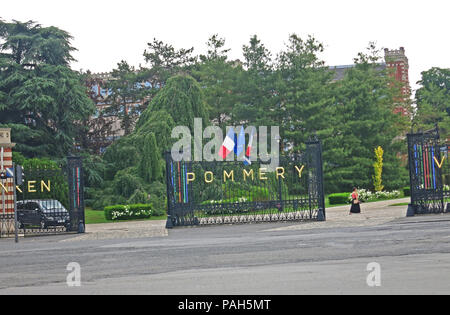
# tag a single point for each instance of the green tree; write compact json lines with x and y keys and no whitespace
{"x":305,"y":104}
{"x":218,"y":76}
{"x":182,"y":98}
{"x":125,"y":94}
{"x":433,"y":101}
{"x":164,"y":61}
{"x":41,"y":98}
{"x":378,"y":169}
{"x":150,"y":164}
{"x":95,"y":130}
{"x":136,"y":161}
{"x":364,"y":119}
{"x":256,"y":86}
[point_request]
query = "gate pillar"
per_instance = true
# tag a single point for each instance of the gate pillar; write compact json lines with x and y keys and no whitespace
{"x":76,"y":193}
{"x":411,"y":211}
{"x":6,"y":183}
{"x":425,"y":157}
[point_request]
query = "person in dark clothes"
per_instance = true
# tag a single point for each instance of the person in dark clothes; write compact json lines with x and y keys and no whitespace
{"x":355,"y":202}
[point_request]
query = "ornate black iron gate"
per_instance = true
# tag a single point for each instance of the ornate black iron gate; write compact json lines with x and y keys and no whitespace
{"x":49,"y":201}
{"x":429,"y":171}
{"x":200,"y":193}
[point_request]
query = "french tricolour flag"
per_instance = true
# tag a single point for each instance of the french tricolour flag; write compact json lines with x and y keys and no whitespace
{"x":249,"y":149}
{"x":239,"y":142}
{"x":228,"y":144}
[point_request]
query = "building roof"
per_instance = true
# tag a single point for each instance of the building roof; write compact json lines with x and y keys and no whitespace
{"x":340,"y":70}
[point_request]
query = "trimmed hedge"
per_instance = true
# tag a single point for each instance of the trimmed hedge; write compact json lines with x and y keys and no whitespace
{"x":407,"y":191}
{"x":158,"y":212}
{"x":339,"y":198}
{"x":128,"y":212}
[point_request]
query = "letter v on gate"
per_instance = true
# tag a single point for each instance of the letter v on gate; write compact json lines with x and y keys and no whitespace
{"x":437,"y":162}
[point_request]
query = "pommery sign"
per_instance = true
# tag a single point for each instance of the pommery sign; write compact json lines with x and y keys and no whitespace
{"x":209,"y":176}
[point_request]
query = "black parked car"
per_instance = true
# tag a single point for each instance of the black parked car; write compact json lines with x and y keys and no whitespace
{"x":42,"y":213}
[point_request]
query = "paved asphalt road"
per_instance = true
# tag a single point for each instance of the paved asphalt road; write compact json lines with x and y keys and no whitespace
{"x":413,"y":253}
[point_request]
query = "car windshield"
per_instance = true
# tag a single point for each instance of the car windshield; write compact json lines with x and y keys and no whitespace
{"x":51,"y":204}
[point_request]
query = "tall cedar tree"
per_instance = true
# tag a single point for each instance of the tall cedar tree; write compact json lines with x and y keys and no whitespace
{"x":41,"y":98}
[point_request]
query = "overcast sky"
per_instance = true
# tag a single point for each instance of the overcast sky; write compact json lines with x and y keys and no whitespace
{"x":107,"y":31}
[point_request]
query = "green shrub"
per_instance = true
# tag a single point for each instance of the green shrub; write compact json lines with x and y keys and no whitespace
{"x":100,"y":198}
{"x":158,"y":212}
{"x":138,"y":197}
{"x":407,"y":191}
{"x":125,"y":183}
{"x":340,"y":198}
{"x":109,"y":211}
{"x":129,"y":212}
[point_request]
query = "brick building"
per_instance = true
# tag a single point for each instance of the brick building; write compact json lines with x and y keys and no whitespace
{"x":396,"y":61}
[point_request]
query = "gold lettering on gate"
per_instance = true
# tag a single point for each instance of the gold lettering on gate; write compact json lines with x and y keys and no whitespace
{"x":299,"y":170}
{"x":228,"y":175}
{"x":280,"y":173}
{"x":437,"y":162}
{"x":262,"y":173}
{"x":46,"y":186}
{"x":209,"y":181}
{"x":31,"y":187}
{"x":190,"y":177}
{"x":248,"y":174}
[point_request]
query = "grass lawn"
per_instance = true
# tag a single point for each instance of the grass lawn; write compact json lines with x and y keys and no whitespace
{"x":98,"y":216}
{"x":328,"y":205}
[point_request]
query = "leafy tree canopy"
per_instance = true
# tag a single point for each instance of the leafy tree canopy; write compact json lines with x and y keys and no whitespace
{"x":134,"y":163}
{"x":364,"y":119}
{"x":303,"y":87}
{"x":219,"y":79}
{"x":41,"y":98}
{"x":256,"y":86}
{"x":164,"y":61}
{"x":182,"y":98}
{"x":433,"y":100}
